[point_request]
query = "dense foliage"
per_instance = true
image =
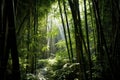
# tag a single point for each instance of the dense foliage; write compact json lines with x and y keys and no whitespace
{"x":59,"y":39}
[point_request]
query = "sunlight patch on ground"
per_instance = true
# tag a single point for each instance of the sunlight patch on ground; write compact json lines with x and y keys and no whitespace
{"x":41,"y":77}
{"x":52,"y":61}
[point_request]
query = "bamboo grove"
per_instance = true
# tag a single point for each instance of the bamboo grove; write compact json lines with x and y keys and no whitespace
{"x":91,"y":31}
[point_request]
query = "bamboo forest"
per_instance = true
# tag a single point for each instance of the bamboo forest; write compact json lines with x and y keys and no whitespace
{"x":59,"y":39}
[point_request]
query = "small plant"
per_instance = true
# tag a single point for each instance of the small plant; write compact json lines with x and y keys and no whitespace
{"x":67,"y":72}
{"x":31,"y":77}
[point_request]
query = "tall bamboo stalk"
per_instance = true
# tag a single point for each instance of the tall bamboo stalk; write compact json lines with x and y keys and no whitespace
{"x":87,"y":37}
{"x":64,"y":30}
{"x":68,"y":29}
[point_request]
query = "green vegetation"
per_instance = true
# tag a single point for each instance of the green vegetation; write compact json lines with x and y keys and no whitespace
{"x":59,"y":39}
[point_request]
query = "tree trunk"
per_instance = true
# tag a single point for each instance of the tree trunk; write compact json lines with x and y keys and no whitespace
{"x":64,"y":30}
{"x":68,"y":29}
{"x":87,"y":39}
{"x":9,"y":43}
{"x":74,"y":5}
